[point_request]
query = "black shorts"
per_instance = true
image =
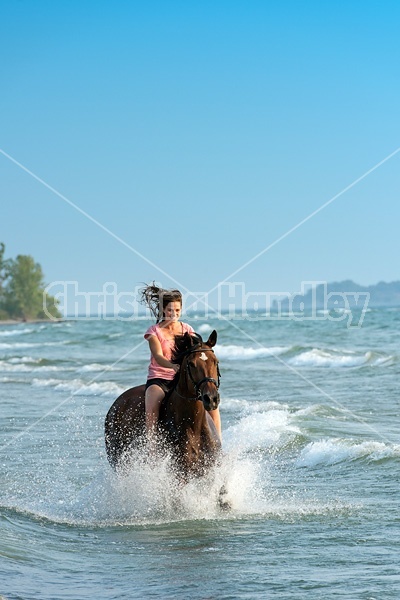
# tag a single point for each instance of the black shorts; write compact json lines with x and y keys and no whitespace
{"x":164,"y":384}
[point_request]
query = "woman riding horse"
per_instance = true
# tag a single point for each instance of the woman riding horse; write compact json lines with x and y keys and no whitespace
{"x":166,"y":306}
{"x":184,"y":425}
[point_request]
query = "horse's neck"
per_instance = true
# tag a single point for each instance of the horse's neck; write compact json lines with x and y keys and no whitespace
{"x":183,"y":406}
{"x":185,"y":409}
{"x":184,"y":388}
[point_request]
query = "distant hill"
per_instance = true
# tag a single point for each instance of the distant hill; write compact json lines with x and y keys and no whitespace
{"x":344,"y":294}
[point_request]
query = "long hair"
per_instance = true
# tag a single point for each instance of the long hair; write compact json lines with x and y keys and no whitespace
{"x":157,"y":298}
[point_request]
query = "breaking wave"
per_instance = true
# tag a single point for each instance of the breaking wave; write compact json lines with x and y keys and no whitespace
{"x":299,"y":356}
{"x":333,"y":451}
{"x":78,"y":387}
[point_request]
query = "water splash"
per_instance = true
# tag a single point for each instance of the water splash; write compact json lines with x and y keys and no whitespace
{"x":75,"y":485}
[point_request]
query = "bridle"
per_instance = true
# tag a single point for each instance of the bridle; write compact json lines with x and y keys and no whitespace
{"x":197,"y":384}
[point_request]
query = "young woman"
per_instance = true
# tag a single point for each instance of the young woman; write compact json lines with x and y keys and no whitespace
{"x":166,"y":306}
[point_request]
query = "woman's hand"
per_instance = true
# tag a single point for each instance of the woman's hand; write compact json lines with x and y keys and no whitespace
{"x":156,"y":350}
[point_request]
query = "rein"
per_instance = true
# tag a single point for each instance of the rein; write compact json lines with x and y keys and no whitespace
{"x":197,"y":384}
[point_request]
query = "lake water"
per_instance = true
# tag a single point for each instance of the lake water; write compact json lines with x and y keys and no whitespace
{"x":311,"y":444}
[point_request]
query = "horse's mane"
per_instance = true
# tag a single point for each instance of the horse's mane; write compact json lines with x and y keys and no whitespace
{"x":183,"y":343}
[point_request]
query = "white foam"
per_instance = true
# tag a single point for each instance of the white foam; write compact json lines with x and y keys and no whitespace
{"x":151,"y":493}
{"x":250,"y":406}
{"x":327,"y":358}
{"x":10,"y":380}
{"x":30,"y":344}
{"x":30,"y":365}
{"x":93,"y":368}
{"x":23,"y":359}
{"x":332,"y":451}
{"x":10,"y":332}
{"x":383,"y":360}
{"x":79,"y":388}
{"x":233,"y":352}
{"x":26,"y":368}
{"x":267,"y":430}
{"x":315,"y":357}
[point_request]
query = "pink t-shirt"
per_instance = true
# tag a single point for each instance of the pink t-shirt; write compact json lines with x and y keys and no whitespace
{"x":156,"y":370}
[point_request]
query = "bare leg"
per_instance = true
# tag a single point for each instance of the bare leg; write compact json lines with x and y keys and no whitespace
{"x":214,"y":414}
{"x":152,"y":400}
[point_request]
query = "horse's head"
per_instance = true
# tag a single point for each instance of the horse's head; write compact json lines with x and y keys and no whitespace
{"x":199,"y":370}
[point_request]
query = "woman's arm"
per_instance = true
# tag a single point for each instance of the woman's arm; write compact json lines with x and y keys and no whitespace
{"x":214,"y":414}
{"x":156,"y":350}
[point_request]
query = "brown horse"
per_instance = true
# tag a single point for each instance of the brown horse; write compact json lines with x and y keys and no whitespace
{"x":185,"y":428}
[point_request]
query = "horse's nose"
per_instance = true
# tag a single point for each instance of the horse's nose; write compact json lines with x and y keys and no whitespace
{"x":211,"y":401}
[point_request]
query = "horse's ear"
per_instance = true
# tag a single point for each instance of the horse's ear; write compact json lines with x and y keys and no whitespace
{"x":188,"y":340}
{"x":212,"y":340}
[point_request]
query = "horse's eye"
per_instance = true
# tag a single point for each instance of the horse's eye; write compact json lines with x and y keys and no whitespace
{"x":191,"y":363}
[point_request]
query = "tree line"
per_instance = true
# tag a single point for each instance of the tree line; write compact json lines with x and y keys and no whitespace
{"x":22,"y":290}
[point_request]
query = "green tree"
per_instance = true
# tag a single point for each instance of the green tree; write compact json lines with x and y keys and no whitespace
{"x":5,"y":266}
{"x":24,"y":296}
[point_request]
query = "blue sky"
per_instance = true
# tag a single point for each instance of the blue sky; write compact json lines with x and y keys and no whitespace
{"x":199,"y":133}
